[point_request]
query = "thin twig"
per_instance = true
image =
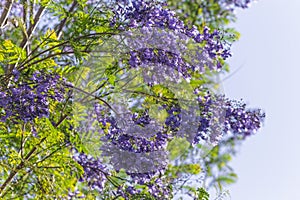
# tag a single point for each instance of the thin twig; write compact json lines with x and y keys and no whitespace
{"x":64,"y":21}
{"x":5,"y":13}
{"x":94,"y":96}
{"x":233,"y":73}
{"x":28,"y":35}
{"x":49,"y":155}
{"x":33,"y":26}
{"x":19,"y":167}
{"x":62,"y":44}
{"x":22,"y":164}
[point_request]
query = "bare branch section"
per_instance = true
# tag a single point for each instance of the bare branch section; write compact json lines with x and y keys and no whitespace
{"x":64,"y":21}
{"x":5,"y":13}
{"x":32,"y":27}
{"x":29,"y":34}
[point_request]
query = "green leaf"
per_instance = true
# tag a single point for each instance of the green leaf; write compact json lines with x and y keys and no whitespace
{"x":202,"y":194}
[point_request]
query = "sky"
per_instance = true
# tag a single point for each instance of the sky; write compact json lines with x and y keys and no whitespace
{"x":268,"y":57}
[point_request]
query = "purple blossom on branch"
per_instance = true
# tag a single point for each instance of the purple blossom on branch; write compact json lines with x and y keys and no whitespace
{"x":129,"y":142}
{"x":236,"y":3}
{"x":147,"y":14}
{"x":155,"y":183}
{"x":94,"y":171}
{"x":26,"y":101}
{"x":232,"y":117}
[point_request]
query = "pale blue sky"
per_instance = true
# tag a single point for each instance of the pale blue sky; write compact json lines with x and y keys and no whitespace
{"x":268,"y":164}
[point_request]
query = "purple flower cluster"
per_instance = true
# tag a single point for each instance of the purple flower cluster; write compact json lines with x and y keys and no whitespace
{"x":94,"y":171}
{"x":236,"y":3}
{"x":26,"y":101}
{"x":220,"y":115}
{"x":173,"y":121}
{"x":155,"y":183}
{"x":143,"y":14}
{"x":152,"y":56}
{"x":242,"y":121}
{"x":75,"y":195}
{"x":130,"y":142}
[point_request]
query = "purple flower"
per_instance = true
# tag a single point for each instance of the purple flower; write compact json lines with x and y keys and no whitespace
{"x":232,"y":117}
{"x":94,"y":171}
{"x":236,"y":3}
{"x":146,"y":14}
{"x":28,"y":100}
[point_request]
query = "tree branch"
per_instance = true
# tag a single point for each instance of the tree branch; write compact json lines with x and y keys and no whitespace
{"x":32,"y":27}
{"x":64,"y":21}
{"x":22,"y":163}
{"x":28,"y":35}
{"x":94,"y":96}
{"x":5,"y":13}
{"x":19,"y":167}
{"x":62,"y":44}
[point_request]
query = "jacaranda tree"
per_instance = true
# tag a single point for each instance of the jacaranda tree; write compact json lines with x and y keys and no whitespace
{"x":118,"y":99}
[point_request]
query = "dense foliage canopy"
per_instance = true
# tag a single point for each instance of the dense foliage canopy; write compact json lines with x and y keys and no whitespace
{"x":118,"y":99}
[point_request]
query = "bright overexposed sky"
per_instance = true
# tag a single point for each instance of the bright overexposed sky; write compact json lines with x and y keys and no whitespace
{"x":268,"y":164}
